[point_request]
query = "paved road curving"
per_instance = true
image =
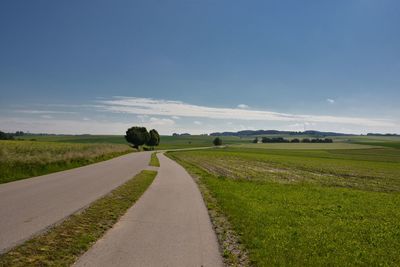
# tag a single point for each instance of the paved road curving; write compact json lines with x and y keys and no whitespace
{"x":29,"y":206}
{"x":168,"y":226}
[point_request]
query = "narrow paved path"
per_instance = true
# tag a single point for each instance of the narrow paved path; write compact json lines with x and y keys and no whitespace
{"x":30,"y":206}
{"x":168,"y":226}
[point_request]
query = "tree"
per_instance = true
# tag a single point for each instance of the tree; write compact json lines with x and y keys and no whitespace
{"x":217,"y":141}
{"x":137,"y":136}
{"x":295,"y":140}
{"x":255,"y":141}
{"x":5,"y":136}
{"x":154,"y":139}
{"x":266,"y":140}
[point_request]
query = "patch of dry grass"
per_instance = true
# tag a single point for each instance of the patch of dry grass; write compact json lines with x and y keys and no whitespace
{"x":22,"y":159}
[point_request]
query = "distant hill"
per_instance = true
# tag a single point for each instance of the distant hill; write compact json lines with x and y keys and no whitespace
{"x":276,"y":132}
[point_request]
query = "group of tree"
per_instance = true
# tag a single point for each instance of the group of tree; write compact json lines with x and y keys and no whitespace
{"x":182,"y":134}
{"x":6,"y":136}
{"x":10,"y":136}
{"x":317,"y":140}
{"x":246,"y":133}
{"x":138,"y":136}
{"x":294,"y":140}
{"x":379,"y":134}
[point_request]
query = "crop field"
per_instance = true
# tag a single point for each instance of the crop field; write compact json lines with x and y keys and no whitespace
{"x":22,"y":159}
{"x":317,"y":207}
{"x":306,"y":146}
{"x":167,"y":142}
{"x":385,"y":141}
{"x":34,"y":155}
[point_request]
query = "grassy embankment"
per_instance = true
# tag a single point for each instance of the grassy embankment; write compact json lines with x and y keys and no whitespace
{"x":306,"y":207}
{"x":23,"y":159}
{"x":154,"y":160}
{"x":64,"y":243}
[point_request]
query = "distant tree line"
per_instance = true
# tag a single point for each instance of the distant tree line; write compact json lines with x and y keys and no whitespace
{"x":6,"y":136}
{"x":182,"y":134}
{"x":378,"y":134}
{"x":316,"y":134}
{"x":10,"y":136}
{"x":138,"y":136}
{"x":295,"y":140}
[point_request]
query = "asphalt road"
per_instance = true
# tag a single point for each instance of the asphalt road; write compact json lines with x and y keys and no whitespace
{"x":30,"y":206}
{"x":168,"y":226}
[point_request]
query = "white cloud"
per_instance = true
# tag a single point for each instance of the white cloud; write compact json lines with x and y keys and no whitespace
{"x":309,"y":123}
{"x":148,"y":106}
{"x":143,"y":118}
{"x":160,"y":122}
{"x":30,"y":111}
{"x":330,"y":100}
{"x":115,"y":115}
{"x":46,"y":116}
{"x":242,"y":106}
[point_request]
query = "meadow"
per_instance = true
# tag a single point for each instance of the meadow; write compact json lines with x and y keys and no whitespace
{"x":300,"y":207}
{"x":167,"y":142}
{"x":33,"y":155}
{"x":23,"y":159}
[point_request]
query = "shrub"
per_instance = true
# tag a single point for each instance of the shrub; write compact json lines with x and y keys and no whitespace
{"x":217,"y":141}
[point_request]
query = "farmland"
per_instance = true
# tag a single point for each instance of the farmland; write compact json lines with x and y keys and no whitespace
{"x":167,"y":142}
{"x":33,"y":155}
{"x":301,"y":207}
{"x":22,"y":159}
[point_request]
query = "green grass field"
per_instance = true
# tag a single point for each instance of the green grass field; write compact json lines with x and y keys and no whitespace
{"x":35,"y":155}
{"x":318,"y":207}
{"x":23,"y":159}
{"x":167,"y":142}
{"x":306,"y":146}
{"x":50,"y":153}
{"x":385,"y":141}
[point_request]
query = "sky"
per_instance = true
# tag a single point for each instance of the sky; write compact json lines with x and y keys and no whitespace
{"x":199,"y":66}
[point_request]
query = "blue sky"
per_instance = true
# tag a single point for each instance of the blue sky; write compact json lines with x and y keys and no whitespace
{"x":199,"y":66}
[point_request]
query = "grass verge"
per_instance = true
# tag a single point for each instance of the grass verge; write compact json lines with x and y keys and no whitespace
{"x":64,"y":243}
{"x":154,"y":160}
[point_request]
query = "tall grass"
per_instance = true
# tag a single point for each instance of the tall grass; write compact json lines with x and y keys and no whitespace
{"x":22,"y":159}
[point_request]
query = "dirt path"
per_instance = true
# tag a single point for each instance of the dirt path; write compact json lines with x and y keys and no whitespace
{"x":168,"y":226}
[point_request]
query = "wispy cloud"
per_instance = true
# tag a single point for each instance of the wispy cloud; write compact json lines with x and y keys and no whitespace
{"x":31,"y":111}
{"x":330,"y":100}
{"x":242,"y":106}
{"x":160,"y":121}
{"x":114,"y":115}
{"x":153,"y":107}
{"x":46,"y":116}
